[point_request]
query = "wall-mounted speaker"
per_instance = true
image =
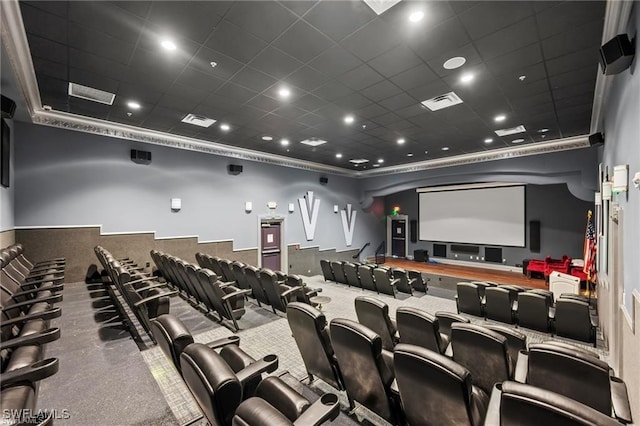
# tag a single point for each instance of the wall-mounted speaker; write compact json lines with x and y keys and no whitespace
{"x":234,"y":169}
{"x":8,"y":107}
{"x":413,"y":230}
{"x":440,"y":250}
{"x":140,"y":157}
{"x":534,"y":236}
{"x":596,"y":139}
{"x":493,"y":254}
{"x":616,"y":55}
{"x":459,"y":248}
{"x":324,"y":180}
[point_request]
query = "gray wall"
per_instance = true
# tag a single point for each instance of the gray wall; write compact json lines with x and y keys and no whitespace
{"x":7,"y":195}
{"x":622,"y":146}
{"x":562,"y":222}
{"x":66,"y":178}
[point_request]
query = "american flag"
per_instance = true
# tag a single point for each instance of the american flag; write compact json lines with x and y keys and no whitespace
{"x":590,"y":250}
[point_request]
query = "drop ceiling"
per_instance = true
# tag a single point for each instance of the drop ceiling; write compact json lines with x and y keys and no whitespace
{"x":534,"y":62}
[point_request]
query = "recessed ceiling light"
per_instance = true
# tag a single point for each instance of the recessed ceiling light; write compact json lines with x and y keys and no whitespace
{"x":455,"y":62}
{"x":284,"y":92}
{"x":416,"y":16}
{"x":284,"y":142}
{"x":467,"y":77}
{"x":375,"y":165}
{"x":133,"y":105}
{"x":522,"y":77}
{"x":401,"y":141}
{"x":313,"y":142}
{"x":517,"y":141}
{"x":349,"y":119}
{"x":213,"y":64}
{"x":543,"y":136}
{"x":426,"y":152}
{"x":338,"y":155}
{"x":445,"y":148}
{"x":499,"y":118}
{"x":168,"y":44}
{"x":357,"y":161}
{"x":488,"y":140}
{"x":364,"y":126}
{"x":410,"y":155}
{"x":380,"y":160}
{"x":267,"y":138}
{"x":545,"y":130}
{"x":225,"y":127}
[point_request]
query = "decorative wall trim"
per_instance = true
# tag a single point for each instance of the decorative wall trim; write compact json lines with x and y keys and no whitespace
{"x":15,"y":41}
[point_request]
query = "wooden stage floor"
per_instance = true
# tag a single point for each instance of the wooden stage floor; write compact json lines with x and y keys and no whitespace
{"x":466,"y":273}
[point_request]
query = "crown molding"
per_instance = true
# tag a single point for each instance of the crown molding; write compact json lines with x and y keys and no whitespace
{"x":15,"y":40}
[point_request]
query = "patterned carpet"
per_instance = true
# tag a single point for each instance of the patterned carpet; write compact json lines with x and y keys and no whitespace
{"x":264,"y":333}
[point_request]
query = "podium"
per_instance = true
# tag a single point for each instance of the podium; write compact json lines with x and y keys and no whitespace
{"x":563,"y":283}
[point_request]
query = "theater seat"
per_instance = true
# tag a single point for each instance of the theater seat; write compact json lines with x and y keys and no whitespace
{"x":327,"y":272}
{"x":501,"y":304}
{"x":445,"y":319}
{"x":573,"y":319}
{"x":311,"y":333}
{"x":515,"y":403}
{"x":420,"y":328}
{"x":469,"y":300}
{"x":374,"y":314}
{"x":436,"y":390}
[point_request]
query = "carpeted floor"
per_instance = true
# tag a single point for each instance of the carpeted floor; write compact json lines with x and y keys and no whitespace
{"x":105,"y":378}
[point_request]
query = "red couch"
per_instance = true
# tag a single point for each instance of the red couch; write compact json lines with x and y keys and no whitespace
{"x":548,"y":265}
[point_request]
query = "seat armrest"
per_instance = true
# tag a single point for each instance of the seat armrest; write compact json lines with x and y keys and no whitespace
{"x":45,"y":268}
{"x":44,"y":315}
{"x":493,"y":410}
{"x":290,"y":291}
{"x":522,"y":367}
{"x":394,"y":282}
{"x":326,"y":408}
{"x":620,"y":400}
{"x":154,"y":297}
{"x":141,"y":280}
{"x":35,"y":283}
{"x":149,"y":287}
{"x":312,"y":293}
{"x":268,"y":364}
{"x":594,"y":323}
{"x":49,"y":299}
{"x":34,"y":291}
{"x":44,"y":274}
{"x":31,"y":373}
{"x":235,"y":294}
{"x":220,"y":343}
{"x":40,"y":338}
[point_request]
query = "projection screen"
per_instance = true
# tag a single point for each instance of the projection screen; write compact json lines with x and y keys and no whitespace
{"x":490,"y":216}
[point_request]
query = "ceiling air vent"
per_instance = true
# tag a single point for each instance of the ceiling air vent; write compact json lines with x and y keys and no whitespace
{"x":442,"y":101}
{"x":381,"y":6}
{"x":198,"y":120}
{"x":313,"y":142}
{"x":91,"y":94}
{"x":359,"y":160}
{"x":511,"y":131}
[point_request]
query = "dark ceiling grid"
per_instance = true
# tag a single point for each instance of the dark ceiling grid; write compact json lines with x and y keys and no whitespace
{"x":348,"y":67}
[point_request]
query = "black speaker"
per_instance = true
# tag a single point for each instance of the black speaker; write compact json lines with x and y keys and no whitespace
{"x":8,"y":107}
{"x":596,"y":139}
{"x":413,"y":230}
{"x":458,"y":248}
{"x":421,"y":255}
{"x":324,"y":180}
{"x":616,"y":55}
{"x":140,"y":157}
{"x":534,"y":236}
{"x":440,"y":250}
{"x":234,"y":169}
{"x":493,"y":254}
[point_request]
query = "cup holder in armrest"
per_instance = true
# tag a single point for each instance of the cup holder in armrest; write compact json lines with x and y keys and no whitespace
{"x":329,"y":398}
{"x":270,"y":358}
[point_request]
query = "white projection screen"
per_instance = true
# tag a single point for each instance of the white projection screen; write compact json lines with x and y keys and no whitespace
{"x":491,"y":216}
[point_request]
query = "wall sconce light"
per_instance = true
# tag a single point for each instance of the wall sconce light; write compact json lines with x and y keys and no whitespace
{"x":606,"y":191}
{"x":176,"y":204}
{"x":598,"y":199}
{"x":336,"y":208}
{"x":620,"y":178}
{"x":636,"y":180}
{"x":248,"y":206}
{"x":272,"y":205}
{"x":291,"y":207}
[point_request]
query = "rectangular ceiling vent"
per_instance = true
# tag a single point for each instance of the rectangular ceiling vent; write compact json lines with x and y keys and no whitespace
{"x":442,"y":101}
{"x":511,"y":131}
{"x":91,"y":94}
{"x":198,"y":120}
{"x":381,"y":6}
{"x":313,"y":142}
{"x":359,"y":160}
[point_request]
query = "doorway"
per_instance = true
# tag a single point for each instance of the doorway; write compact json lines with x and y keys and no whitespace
{"x":397,"y":242}
{"x":271,"y":237}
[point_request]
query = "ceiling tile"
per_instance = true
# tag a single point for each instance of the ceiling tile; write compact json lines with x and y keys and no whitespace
{"x":299,"y":7}
{"x":508,"y":39}
{"x":587,"y":58}
{"x":382,"y":90}
{"x":397,"y":102}
{"x":225,"y":67}
{"x":360,"y":77}
{"x":253,"y":79}
{"x":44,"y":24}
{"x":335,"y":61}
{"x":438,"y":40}
{"x":569,"y":15}
{"x":315,"y":42}
{"x":417,"y":76}
{"x":195,"y":22}
{"x":198,"y":80}
{"x":487,"y":17}
{"x":577,"y":38}
{"x":339,"y":19}
{"x":275,"y":62}
{"x":235,"y":92}
{"x":515,"y":60}
{"x":233,"y":41}
{"x":307,"y":78}
{"x":372,"y":40}
{"x":394,"y":61}
{"x":96,"y":42}
{"x":107,"y":18}
{"x":263,"y":19}
{"x":332,"y":90}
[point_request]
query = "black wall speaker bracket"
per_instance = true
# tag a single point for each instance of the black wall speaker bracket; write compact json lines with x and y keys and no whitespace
{"x":596,"y":139}
{"x":234,"y":169}
{"x":617,"y":54}
{"x":324,"y":180}
{"x":8,"y":107}
{"x":140,"y":157}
